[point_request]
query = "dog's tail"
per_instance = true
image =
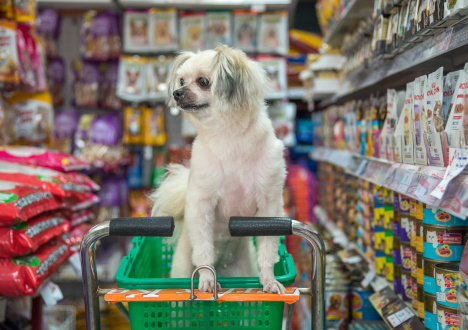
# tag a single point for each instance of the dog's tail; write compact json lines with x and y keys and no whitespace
{"x":169,"y":198}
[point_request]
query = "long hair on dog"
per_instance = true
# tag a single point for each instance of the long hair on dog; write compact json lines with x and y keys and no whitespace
{"x":236,"y":167}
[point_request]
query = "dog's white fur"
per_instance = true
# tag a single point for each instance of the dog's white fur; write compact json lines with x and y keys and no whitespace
{"x":236,"y":168}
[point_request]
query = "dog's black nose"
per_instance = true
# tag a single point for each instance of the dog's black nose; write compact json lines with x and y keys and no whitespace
{"x":178,"y":94}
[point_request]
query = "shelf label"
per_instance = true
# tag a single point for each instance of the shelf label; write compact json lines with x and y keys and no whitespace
{"x":400,"y":317}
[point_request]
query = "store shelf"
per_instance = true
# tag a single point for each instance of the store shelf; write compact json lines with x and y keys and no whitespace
{"x":348,"y":21}
{"x":415,"y":181}
{"x":200,"y":4}
{"x":448,"y":49}
{"x":76,"y":4}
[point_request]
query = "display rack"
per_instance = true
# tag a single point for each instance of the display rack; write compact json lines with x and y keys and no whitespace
{"x":415,"y":181}
{"x":446,"y":49}
{"x":348,"y":20}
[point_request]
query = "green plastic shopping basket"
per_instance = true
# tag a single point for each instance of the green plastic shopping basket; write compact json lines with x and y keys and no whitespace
{"x":147,"y":266}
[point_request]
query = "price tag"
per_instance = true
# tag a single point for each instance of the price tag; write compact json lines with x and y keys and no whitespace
{"x":368,"y":278}
{"x":352,"y":260}
{"x":457,"y":163}
{"x":361,"y":167}
{"x":51,"y":294}
{"x":400,"y":317}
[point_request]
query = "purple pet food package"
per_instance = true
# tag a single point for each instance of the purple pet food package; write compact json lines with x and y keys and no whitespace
{"x":99,"y":36}
{"x":47,"y":25}
{"x":56,"y":77}
{"x":86,"y":84}
{"x":65,"y":126}
{"x":106,"y":130}
{"x":109,"y":99}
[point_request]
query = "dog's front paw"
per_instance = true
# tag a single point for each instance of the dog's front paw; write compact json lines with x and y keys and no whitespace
{"x":274,"y":287}
{"x":206,"y":281}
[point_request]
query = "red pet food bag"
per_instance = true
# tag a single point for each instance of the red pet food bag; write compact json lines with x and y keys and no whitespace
{"x":26,"y":237}
{"x":20,"y":202}
{"x":24,"y":275}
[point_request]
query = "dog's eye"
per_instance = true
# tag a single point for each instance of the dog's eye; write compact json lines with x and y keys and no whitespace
{"x":203,"y":82}
{"x":181,"y":81}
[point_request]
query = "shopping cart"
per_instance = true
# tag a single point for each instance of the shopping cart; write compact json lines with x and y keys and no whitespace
{"x":181,"y":308}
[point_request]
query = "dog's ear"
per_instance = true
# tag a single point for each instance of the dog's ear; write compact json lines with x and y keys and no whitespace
{"x":236,"y":79}
{"x":172,"y":77}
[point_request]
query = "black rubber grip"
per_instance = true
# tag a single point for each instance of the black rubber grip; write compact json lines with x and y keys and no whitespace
{"x":260,"y":226}
{"x":149,"y":226}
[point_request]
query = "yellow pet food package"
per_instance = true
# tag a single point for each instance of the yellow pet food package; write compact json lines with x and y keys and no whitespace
{"x":34,"y":118}
{"x":8,"y":53}
{"x":25,"y":11}
{"x":7,"y":11}
{"x":132,"y":125}
{"x":154,"y":132}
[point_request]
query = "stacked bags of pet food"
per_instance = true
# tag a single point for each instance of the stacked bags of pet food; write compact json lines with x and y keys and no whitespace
{"x":43,"y":207}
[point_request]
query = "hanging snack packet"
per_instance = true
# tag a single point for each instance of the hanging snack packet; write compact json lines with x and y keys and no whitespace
{"x":65,"y":126}
{"x":245,"y":30}
{"x":25,"y":11}
{"x":109,"y":86}
{"x":272,"y":33}
{"x":56,"y":78}
{"x":40,"y":60}
{"x":86,"y":83}
{"x":47,"y":158}
{"x":133,"y":121}
{"x":47,"y":25}
{"x":26,"y":237}
{"x":163,"y":29}
{"x":154,"y":132}
{"x":136,"y":31}
{"x":34,"y":118}
{"x":420,"y":120}
{"x":9,"y":74}
{"x":24,"y":275}
{"x":218,"y":28}
{"x":192,"y":30}
{"x":435,"y":124}
{"x":20,"y":203}
{"x":79,"y":217}
{"x":158,"y":70}
{"x":132,"y":78}
{"x":95,"y":29}
{"x":31,"y":70}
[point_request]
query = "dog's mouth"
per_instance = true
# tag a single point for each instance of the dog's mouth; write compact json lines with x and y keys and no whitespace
{"x":192,"y":107}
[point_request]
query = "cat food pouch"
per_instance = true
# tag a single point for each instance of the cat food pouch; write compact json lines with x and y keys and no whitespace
{"x":47,"y":158}
{"x":158,"y":71}
{"x":192,"y":31}
{"x":47,"y":26}
{"x":109,"y":99}
{"x":20,"y":202}
{"x":56,"y":77}
{"x":272,"y":33}
{"x":136,"y":31}
{"x":245,"y":30}
{"x":9,"y":74}
{"x":454,"y":127}
{"x":34,"y":118}
{"x":218,"y":28}
{"x":132,"y":80}
{"x":133,"y":130}
{"x":420,"y":120}
{"x":163,"y":32}
{"x":450,"y":83}
{"x":435,"y":124}
{"x":154,"y":132}
{"x":26,"y":237}
{"x":408,"y":116}
{"x":86,"y":83}
{"x":24,"y":275}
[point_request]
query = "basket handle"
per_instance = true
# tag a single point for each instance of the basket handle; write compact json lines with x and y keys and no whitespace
{"x":260,"y":226}
{"x":148,"y":226}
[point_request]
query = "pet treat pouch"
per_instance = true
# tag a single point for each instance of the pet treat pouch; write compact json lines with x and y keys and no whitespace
{"x":192,"y":30}
{"x":387,"y":130}
{"x":245,"y":30}
{"x":276,"y":71}
{"x":34,"y":117}
{"x":435,"y":124}
{"x":55,"y":73}
{"x":47,"y":26}
{"x":133,"y":120}
{"x":420,"y":120}
{"x":86,"y":83}
{"x":450,"y":84}
{"x":136,"y":31}
{"x":98,"y":36}
{"x":163,"y":29}
{"x":272,"y":36}
{"x":158,"y":71}
{"x":218,"y":28}
{"x":65,"y":126}
{"x":454,"y":127}
{"x":132,"y":79}
{"x":154,"y":132}
{"x":408,"y":138}
{"x":25,"y":11}
{"x":7,"y":10}
{"x":109,"y":99}
{"x":8,"y":53}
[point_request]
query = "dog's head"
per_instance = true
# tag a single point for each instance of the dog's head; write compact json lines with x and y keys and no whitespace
{"x":216,"y":81}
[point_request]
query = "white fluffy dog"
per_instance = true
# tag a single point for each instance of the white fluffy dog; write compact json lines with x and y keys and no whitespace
{"x":236,"y":169}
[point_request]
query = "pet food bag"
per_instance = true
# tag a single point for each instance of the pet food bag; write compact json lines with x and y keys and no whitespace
{"x":24,"y":275}
{"x":435,"y":123}
{"x":133,"y":120}
{"x":136,"y":31}
{"x":20,"y":202}
{"x":192,"y":30}
{"x":245,"y":30}
{"x":218,"y":28}
{"x":47,"y":25}
{"x":109,"y":99}
{"x":98,"y":35}
{"x":25,"y":11}
{"x":158,"y":71}
{"x":26,"y":237}
{"x":9,"y":73}
{"x":7,"y":10}
{"x":42,"y":157}
{"x":420,"y":120}
{"x":163,"y":33}
{"x":276,"y":71}
{"x":87,"y":78}
{"x":132,"y":85}
{"x":154,"y":132}
{"x":56,"y":77}
{"x":272,"y":33}
{"x":65,"y":126}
